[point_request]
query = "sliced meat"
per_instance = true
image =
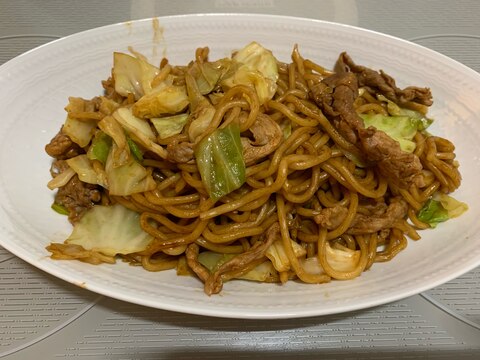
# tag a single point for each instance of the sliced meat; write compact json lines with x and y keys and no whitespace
{"x":331,"y":218}
{"x":400,"y":167}
{"x":367,"y":224}
{"x":335,"y":95}
{"x":267,"y":136}
{"x":214,"y":283}
{"x":77,"y":197}
{"x":62,"y":147}
{"x":380,"y":82}
{"x":180,"y":152}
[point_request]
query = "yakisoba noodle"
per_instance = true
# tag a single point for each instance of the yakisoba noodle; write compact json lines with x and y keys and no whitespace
{"x":315,"y":207}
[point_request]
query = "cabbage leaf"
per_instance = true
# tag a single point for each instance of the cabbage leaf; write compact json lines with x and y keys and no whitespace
{"x":169,"y":125}
{"x":100,"y":147}
{"x":110,"y":230}
{"x":440,"y":208}
{"x":220,"y":161}
{"x":139,"y":130}
{"x":128,"y":178}
{"x":163,"y":99}
{"x":132,"y":75}
{"x":79,"y":131}
{"x":84,"y":169}
{"x":256,"y":67}
{"x":340,"y":259}
{"x":399,"y":128}
{"x":213,"y":261}
{"x":277,"y":255}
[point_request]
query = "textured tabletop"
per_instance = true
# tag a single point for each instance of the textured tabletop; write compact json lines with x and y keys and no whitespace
{"x":42,"y":317}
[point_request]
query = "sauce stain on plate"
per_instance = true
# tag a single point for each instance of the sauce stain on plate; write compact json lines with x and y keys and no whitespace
{"x":158,"y":37}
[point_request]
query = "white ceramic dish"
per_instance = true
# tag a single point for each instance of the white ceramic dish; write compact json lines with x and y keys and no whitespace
{"x":34,"y":88}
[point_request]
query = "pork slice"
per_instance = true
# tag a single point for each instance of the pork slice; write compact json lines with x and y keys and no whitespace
{"x":379,"y":81}
{"x":398,"y":166}
{"x":367,"y":224}
{"x":336,"y":98}
{"x":62,"y":147}
{"x":77,"y":197}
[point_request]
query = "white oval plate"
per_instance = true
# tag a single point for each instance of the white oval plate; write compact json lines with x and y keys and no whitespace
{"x":34,"y":88}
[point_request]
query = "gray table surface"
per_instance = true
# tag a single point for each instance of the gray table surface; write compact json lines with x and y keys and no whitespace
{"x":42,"y":317}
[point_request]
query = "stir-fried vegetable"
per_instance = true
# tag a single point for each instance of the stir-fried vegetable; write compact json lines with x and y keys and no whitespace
{"x":100,"y":147}
{"x":277,"y":255}
{"x":254,"y":66}
{"x":201,"y":110}
{"x":79,"y":131}
{"x":401,"y":124}
{"x":340,"y":259}
{"x":220,"y":161}
{"x":163,"y":99}
{"x":128,"y":178}
{"x":110,"y":230}
{"x":132,"y":75}
{"x":85,"y":171}
{"x":400,"y":128}
{"x":169,"y":125}
{"x":213,"y":261}
{"x":441,"y":208}
{"x":139,"y":130}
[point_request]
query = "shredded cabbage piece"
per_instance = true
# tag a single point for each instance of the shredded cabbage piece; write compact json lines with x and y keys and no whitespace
{"x":169,"y":125}
{"x":132,"y":75}
{"x":441,"y":207}
{"x":277,"y":255}
{"x":220,"y":161}
{"x":110,"y":230}
{"x":254,"y":66}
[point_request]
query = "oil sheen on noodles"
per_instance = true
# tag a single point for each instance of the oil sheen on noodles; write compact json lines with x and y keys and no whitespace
{"x":250,"y":168}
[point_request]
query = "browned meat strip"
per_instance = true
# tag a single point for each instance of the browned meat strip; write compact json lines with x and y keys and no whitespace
{"x":62,"y":147}
{"x":331,"y":218}
{"x":400,"y":167}
{"x":335,"y":95}
{"x":77,"y":197}
{"x":268,"y":136}
{"x":214,"y":283}
{"x":365,"y":224}
{"x":180,"y":152}
{"x":378,"y":81}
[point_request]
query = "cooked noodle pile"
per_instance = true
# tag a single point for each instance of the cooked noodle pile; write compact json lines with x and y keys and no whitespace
{"x":319,"y":193}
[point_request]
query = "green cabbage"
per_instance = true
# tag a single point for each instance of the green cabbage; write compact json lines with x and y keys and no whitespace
{"x":340,"y":259}
{"x":422,"y":122}
{"x":277,"y":255}
{"x":163,"y":99}
{"x":84,"y":169}
{"x":79,"y":131}
{"x":401,"y":124}
{"x":132,"y":75}
{"x":201,"y":110}
{"x":100,"y":147}
{"x":220,"y":161}
{"x":207,"y":74}
{"x":254,"y":66}
{"x":169,"y":125}
{"x":128,"y":178}
{"x":110,"y":230}
{"x":139,"y":130}
{"x":440,"y":208}
{"x":400,"y":128}
{"x":213,"y":261}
